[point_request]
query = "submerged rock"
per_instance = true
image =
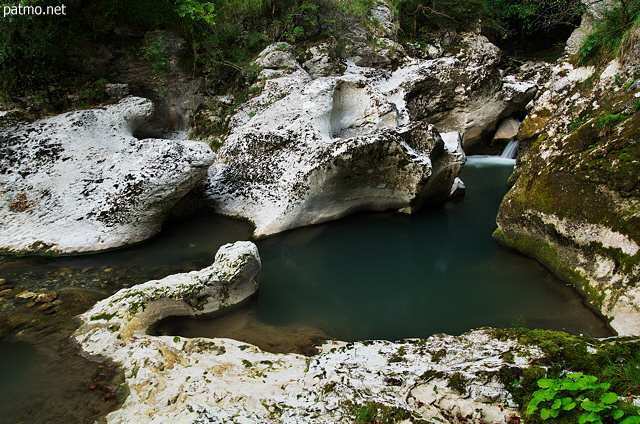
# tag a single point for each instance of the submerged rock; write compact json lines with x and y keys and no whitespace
{"x":82,"y":181}
{"x":176,"y":379}
{"x":576,"y":201}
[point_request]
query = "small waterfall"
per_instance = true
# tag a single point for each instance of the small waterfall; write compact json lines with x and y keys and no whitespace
{"x":511,"y":150}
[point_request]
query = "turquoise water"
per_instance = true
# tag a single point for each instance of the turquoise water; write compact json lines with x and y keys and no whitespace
{"x":391,"y":276}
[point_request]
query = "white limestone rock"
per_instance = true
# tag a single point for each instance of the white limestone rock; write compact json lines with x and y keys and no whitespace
{"x":465,"y":92}
{"x":181,"y":380}
{"x":329,"y":147}
{"x":121,"y":319}
{"x":382,"y":53}
{"x":81,"y":181}
{"x":117,"y":91}
{"x":278,"y":56}
{"x":384,"y":15}
{"x":588,"y":234}
{"x":319,"y":61}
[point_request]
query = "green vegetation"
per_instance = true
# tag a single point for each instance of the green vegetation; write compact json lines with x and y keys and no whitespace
{"x":398,"y":356}
{"x":577,"y":123}
{"x":50,"y":57}
{"x":508,"y":18}
{"x":102,"y":316}
{"x":612,"y":33}
{"x":375,"y":412}
{"x":580,"y":397}
{"x":419,"y":18}
{"x":222,"y":37}
{"x":502,"y":21}
{"x":574,"y":369}
{"x":458,"y":383}
{"x":607,"y":122}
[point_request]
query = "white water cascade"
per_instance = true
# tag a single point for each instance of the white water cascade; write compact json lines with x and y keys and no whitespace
{"x":507,"y":157}
{"x":511,"y":150}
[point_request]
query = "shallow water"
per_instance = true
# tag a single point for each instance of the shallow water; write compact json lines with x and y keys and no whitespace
{"x":182,"y":246}
{"x":44,"y":380}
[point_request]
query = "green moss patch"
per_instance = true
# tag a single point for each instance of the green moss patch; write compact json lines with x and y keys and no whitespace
{"x":616,"y":361}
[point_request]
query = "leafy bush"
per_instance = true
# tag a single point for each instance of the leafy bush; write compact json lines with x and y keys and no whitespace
{"x":605,"y":41}
{"x":579,"y":397}
{"x":507,"y":23}
{"x":508,"y":17}
{"x":222,"y":36}
{"x":419,"y":17}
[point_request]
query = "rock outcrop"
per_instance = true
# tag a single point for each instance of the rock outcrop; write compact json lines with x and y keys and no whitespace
{"x":315,"y":146}
{"x":175,"y":379}
{"x":465,"y":91}
{"x":335,"y":132}
{"x":307,"y":151}
{"x":575,"y":205}
{"x":82,"y":181}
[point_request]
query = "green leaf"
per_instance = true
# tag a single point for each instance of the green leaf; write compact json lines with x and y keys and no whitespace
{"x":545,"y":413}
{"x":593,"y":417}
{"x":617,"y":414}
{"x":609,"y":397}
{"x":582,"y":418}
{"x":631,"y":420}
{"x":533,"y":405}
{"x":557,"y":404}
{"x":589,"y":405}
{"x":545,"y":383}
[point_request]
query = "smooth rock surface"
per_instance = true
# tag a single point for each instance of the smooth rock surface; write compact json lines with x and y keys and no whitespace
{"x":315,"y":146}
{"x":82,"y":182}
{"x":465,"y":92}
{"x":230,"y":280}
{"x":507,"y":129}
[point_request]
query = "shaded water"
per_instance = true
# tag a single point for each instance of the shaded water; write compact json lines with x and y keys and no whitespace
{"x":182,"y":246}
{"x":44,"y":379}
{"x":389,"y":276}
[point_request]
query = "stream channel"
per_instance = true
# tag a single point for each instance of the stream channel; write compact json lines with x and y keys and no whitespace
{"x":368,"y":276}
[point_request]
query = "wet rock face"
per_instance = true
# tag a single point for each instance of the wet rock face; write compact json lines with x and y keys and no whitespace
{"x":81,"y":181}
{"x":328,"y":147}
{"x":574,"y":206}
